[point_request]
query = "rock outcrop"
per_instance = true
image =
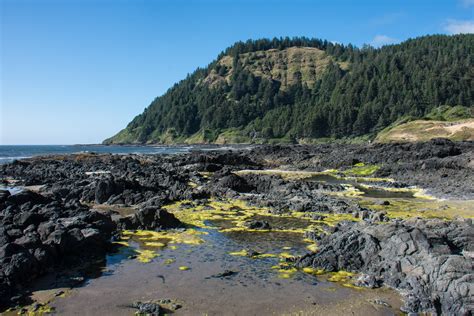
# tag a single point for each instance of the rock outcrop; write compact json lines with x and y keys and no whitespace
{"x":150,"y":218}
{"x":431,"y":261}
{"x":38,"y":234}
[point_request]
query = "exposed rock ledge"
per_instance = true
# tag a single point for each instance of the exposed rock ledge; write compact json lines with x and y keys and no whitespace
{"x":429,"y":261}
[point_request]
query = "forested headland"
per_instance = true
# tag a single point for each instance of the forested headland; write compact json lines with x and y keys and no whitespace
{"x":295,"y":89}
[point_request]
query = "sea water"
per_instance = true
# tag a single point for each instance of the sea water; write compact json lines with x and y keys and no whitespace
{"x":9,"y":153}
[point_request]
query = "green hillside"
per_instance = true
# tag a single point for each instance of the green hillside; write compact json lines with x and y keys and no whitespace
{"x":299,"y":89}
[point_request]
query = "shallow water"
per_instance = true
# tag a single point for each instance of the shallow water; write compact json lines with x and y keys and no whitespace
{"x":252,"y":291}
{"x":262,"y":282}
{"x":381,"y":193}
{"x":328,"y":178}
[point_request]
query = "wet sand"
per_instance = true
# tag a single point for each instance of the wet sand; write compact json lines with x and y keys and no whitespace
{"x":254,"y":290}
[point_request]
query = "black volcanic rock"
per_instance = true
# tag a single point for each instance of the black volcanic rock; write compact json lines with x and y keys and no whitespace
{"x":257,"y":224}
{"x":39,"y":233}
{"x":428,"y":259}
{"x":431,"y":260}
{"x":104,"y":190}
{"x":234,"y":182}
{"x":150,"y":218}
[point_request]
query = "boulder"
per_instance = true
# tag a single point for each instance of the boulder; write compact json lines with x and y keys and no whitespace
{"x":104,"y":190}
{"x":150,"y":218}
{"x":234,"y":182}
{"x":38,"y":234}
{"x":148,"y":308}
{"x":4,"y":194}
{"x":27,"y":196}
{"x":254,"y":224}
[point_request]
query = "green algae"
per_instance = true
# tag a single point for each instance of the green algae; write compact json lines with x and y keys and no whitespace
{"x":361,"y":169}
{"x":423,"y":208}
{"x":162,"y":239}
{"x":43,"y":309}
{"x":341,"y":277}
{"x":235,"y":212}
{"x":313,"y":271}
{"x":41,"y":301}
{"x":286,"y":255}
{"x":285,"y":270}
{"x":121,"y":243}
{"x":169,"y":261}
{"x":360,"y":172}
{"x":192,"y":184}
{"x":232,"y":216}
{"x":313,"y":248}
{"x":151,"y":242}
{"x":197,"y":215}
{"x":145,"y":255}
{"x":155,"y":244}
{"x":344,"y":278}
{"x":37,"y":309}
{"x":205,"y":174}
{"x":245,"y":253}
{"x":242,"y":253}
{"x":264,"y":255}
{"x":287,"y":273}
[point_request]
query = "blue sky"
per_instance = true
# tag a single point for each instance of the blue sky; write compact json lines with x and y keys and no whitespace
{"x":77,"y":71}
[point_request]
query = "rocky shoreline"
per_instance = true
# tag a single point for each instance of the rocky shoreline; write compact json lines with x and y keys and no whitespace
{"x":71,"y":219}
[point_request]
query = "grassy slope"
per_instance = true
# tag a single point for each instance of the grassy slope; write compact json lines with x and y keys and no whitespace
{"x":281,"y":65}
{"x":423,"y":130}
{"x":455,"y":123}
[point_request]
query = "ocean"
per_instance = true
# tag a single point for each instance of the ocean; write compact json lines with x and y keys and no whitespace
{"x":9,"y":153}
